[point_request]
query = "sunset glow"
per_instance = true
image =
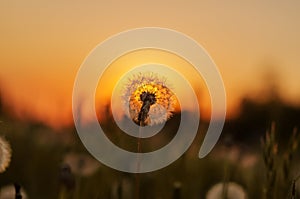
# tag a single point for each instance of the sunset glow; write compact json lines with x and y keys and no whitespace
{"x":44,"y":44}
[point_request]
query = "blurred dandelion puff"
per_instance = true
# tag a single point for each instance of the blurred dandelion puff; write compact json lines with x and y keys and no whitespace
{"x":81,"y":164}
{"x":12,"y":192}
{"x":234,"y":191}
{"x":147,"y":99}
{"x":5,"y":154}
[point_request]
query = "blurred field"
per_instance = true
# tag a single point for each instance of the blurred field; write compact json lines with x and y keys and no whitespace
{"x":52,"y":164}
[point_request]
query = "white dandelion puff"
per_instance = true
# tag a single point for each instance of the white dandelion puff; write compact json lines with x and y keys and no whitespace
{"x":148,"y":100}
{"x":5,"y":154}
{"x":233,"y":191}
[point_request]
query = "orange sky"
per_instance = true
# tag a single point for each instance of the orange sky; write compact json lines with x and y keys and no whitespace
{"x":44,"y":43}
{"x":145,"y":59}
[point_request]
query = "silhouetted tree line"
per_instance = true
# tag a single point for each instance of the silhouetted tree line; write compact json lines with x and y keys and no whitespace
{"x":250,"y":124}
{"x":255,"y":117}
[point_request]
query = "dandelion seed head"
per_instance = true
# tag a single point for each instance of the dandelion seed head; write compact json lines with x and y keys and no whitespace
{"x":5,"y":154}
{"x":151,"y":84}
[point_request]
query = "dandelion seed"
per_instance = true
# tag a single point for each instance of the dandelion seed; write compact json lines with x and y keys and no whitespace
{"x":148,"y":100}
{"x":5,"y":154}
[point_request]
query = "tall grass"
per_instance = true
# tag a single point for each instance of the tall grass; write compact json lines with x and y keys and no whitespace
{"x":278,"y":165}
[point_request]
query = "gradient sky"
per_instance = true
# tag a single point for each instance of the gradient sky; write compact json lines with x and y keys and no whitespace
{"x":44,"y":43}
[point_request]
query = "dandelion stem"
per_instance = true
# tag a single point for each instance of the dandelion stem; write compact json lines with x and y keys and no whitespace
{"x":148,"y":99}
{"x":18,"y":191}
{"x":139,"y":150}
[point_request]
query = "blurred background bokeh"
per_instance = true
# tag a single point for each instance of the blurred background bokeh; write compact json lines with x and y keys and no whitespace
{"x":255,"y":45}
